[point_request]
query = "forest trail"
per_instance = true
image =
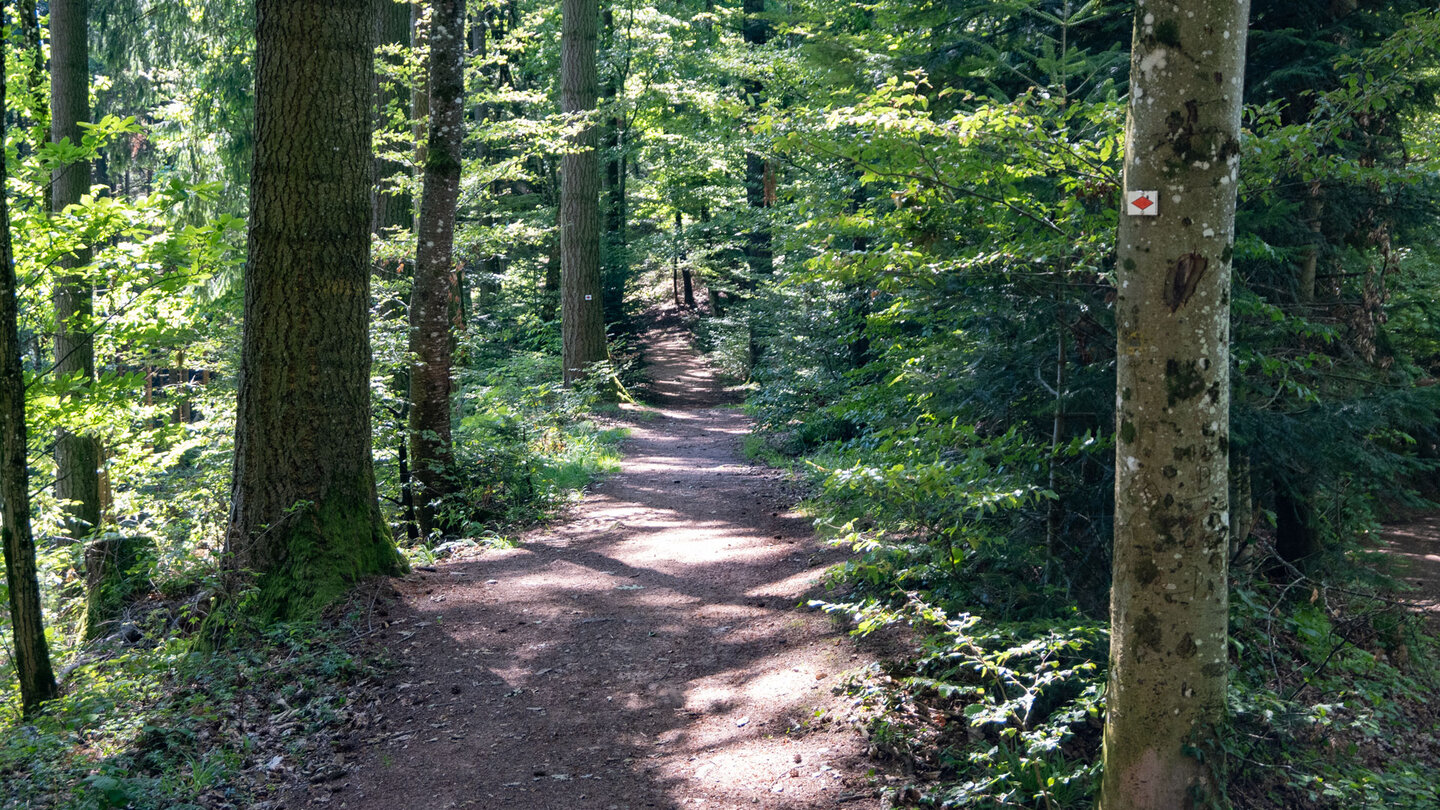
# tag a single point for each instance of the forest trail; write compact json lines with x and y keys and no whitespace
{"x":646,"y":653}
{"x":1416,"y":543}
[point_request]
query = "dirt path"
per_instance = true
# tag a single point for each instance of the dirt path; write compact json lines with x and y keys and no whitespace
{"x":647,"y":654}
{"x":1417,"y":544}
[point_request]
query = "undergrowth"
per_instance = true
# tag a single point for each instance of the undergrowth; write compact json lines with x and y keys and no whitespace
{"x":1002,"y":705}
{"x":168,"y":726}
{"x":1328,"y":697}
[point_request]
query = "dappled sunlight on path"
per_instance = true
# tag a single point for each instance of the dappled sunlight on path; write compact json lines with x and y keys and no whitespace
{"x":1416,"y":544}
{"x":649,"y":652}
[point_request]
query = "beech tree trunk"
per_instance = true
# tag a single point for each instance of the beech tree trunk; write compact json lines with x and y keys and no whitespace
{"x":304,"y":520}
{"x":1168,"y":608}
{"x":581,"y":314}
{"x":435,"y":292}
{"x":1310,"y":259}
{"x":27,"y":621}
{"x":420,"y":93}
{"x":77,"y":457}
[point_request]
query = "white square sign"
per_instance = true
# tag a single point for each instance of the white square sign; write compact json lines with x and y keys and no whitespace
{"x":1142,"y":203}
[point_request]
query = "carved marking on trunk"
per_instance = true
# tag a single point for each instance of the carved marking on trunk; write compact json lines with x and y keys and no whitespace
{"x":1183,"y":278}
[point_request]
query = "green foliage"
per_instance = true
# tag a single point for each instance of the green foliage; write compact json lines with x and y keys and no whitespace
{"x":941,"y":342}
{"x":1008,"y":713}
{"x":937,"y":353}
{"x":173,"y":727}
{"x":1325,"y":678}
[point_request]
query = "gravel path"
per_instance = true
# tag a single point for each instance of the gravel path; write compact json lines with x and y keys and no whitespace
{"x":648,"y":653}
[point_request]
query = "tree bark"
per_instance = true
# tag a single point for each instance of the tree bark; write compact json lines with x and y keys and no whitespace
{"x":304,"y":520}
{"x":27,"y":621}
{"x":614,"y":255}
{"x":1168,"y":608}
{"x":1310,"y":259}
{"x":683,"y":259}
{"x":420,"y":93}
{"x":581,"y":315}
{"x":435,"y":292}
{"x":758,"y":252}
{"x":77,"y":457}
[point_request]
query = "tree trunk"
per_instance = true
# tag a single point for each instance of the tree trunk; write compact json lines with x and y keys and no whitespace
{"x":1242,"y":501}
{"x":550,"y":294}
{"x":393,"y":207}
{"x":434,"y":293}
{"x":615,"y":270}
{"x":1168,"y":608}
{"x":408,"y":515}
{"x":27,"y":621}
{"x":304,"y":519}
{"x":1296,"y":540}
{"x":111,"y":579}
{"x":758,"y":255}
{"x":1055,"y":509}
{"x":1310,"y":260}
{"x":581,"y":314}
{"x":687,"y":283}
{"x":77,"y":457}
{"x":420,"y":93}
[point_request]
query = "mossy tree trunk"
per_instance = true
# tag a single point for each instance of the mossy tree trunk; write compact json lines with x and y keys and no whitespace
{"x":27,"y":621}
{"x":116,"y":569}
{"x":581,"y":314}
{"x":304,"y":521}
{"x":77,"y":456}
{"x":1168,"y":659}
{"x":435,"y":293}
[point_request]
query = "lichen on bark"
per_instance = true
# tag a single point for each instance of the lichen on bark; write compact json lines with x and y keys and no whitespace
{"x":1166,"y":685}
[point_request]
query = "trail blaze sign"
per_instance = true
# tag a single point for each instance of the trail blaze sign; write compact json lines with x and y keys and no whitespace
{"x":1142,"y":203}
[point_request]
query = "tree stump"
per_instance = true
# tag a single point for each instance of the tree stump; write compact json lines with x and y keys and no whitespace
{"x":116,"y":571}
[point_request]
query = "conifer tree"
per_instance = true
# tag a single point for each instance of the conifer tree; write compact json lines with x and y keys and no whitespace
{"x":77,"y":456}
{"x":581,"y":315}
{"x":304,"y":519}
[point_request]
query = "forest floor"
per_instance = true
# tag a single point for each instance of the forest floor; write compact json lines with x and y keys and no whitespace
{"x":650,"y":651}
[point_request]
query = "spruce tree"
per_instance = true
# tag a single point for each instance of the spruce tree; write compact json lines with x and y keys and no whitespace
{"x":304,"y":520}
{"x":581,"y":314}
{"x":77,"y":456}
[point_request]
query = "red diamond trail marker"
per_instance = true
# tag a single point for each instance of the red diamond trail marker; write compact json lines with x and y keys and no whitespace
{"x":1142,"y":203}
